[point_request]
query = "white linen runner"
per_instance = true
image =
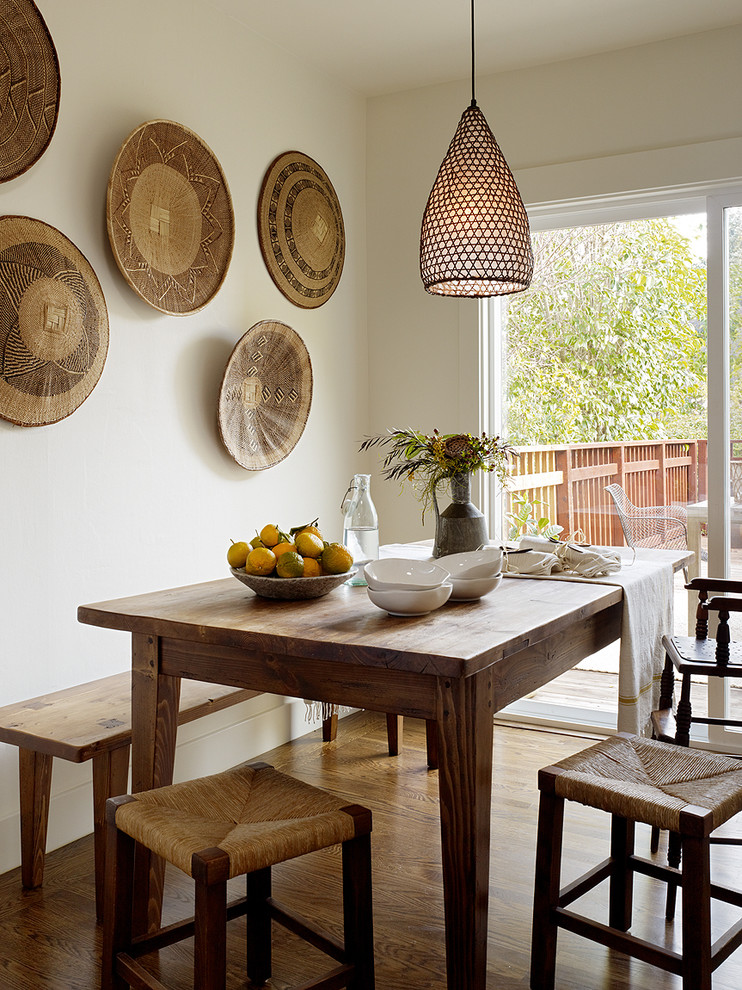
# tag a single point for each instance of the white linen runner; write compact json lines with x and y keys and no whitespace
{"x":647,"y":582}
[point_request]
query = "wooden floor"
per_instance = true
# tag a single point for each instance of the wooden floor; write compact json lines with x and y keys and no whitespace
{"x":49,"y":940}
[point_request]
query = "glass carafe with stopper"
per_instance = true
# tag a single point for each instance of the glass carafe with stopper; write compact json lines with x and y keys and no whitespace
{"x":361,"y":525}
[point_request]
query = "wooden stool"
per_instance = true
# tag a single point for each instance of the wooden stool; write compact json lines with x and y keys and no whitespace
{"x":242,"y":821}
{"x":637,"y":780}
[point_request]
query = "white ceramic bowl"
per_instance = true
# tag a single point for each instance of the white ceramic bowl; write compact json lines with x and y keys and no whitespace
{"x":482,"y":563}
{"x":403,"y":574}
{"x":471,"y":589}
{"x":418,"y":601}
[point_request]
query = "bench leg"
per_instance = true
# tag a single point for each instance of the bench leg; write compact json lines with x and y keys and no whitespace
{"x":330,"y":728}
{"x":110,"y":779}
{"x":35,"y":777}
{"x":394,"y":733}
{"x":431,"y":741}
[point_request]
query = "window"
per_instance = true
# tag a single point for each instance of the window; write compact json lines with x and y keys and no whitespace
{"x":606,"y":359}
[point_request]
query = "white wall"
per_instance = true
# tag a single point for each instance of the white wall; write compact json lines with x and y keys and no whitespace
{"x":659,"y":115}
{"x":135,"y":491}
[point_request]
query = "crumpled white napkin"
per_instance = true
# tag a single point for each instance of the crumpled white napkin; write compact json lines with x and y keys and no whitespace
{"x":532,"y":562}
{"x":585,"y":561}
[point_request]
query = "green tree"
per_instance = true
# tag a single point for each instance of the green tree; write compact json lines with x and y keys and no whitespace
{"x":610,"y":341}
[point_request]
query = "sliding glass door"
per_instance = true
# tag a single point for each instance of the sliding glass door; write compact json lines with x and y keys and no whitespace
{"x":623,"y":364}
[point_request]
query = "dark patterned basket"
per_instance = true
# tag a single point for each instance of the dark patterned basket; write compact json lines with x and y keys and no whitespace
{"x":53,"y":324}
{"x":301,"y":230}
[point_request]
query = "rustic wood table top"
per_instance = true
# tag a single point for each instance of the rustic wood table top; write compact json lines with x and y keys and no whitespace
{"x":457,"y":640}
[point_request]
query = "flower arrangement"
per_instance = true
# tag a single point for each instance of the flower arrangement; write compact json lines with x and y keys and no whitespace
{"x":429,"y":460}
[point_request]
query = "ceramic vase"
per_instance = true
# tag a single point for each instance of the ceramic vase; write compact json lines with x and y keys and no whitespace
{"x":461,"y":526}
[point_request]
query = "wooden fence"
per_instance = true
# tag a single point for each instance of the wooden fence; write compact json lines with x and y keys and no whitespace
{"x":569,"y":481}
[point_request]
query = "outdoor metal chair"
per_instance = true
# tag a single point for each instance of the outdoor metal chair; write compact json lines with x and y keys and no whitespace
{"x":659,"y":527}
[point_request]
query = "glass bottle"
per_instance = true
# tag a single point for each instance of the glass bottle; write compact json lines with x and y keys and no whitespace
{"x":361,"y":525}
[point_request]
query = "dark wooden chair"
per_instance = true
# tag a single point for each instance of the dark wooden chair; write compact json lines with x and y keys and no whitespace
{"x":691,"y":657}
{"x":238,"y":823}
{"x":636,"y":780}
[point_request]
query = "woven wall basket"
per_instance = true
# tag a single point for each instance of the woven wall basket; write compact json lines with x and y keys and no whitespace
{"x":170,"y":217}
{"x":265,"y":396}
{"x":29,"y":87}
{"x":301,"y":231}
{"x":53,"y":324}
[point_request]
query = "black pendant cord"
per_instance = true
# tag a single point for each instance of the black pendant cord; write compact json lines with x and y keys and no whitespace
{"x":473,"y":101}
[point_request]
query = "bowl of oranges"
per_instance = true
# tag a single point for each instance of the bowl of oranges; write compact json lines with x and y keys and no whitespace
{"x":290,"y":566}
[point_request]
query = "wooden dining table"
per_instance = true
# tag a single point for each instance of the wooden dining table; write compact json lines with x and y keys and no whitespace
{"x":455,"y":667}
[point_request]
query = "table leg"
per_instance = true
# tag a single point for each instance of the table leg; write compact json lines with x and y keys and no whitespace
{"x":154,"y":726}
{"x":465,"y":712}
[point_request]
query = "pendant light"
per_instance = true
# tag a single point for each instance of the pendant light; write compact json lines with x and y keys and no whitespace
{"x":475,"y":239}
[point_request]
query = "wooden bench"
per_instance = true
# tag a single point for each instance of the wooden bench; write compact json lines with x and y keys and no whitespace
{"x":89,"y":722}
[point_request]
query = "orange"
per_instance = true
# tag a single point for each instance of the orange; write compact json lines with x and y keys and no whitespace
{"x":290,"y":565}
{"x":336,"y":559}
{"x":308,"y":544}
{"x":237,"y":554}
{"x":270,"y":535}
{"x":260,"y":561}
{"x":312,"y":567}
{"x":309,"y":528}
{"x":283,"y":547}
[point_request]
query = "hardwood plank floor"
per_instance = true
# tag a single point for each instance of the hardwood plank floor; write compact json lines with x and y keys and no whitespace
{"x":49,"y":940}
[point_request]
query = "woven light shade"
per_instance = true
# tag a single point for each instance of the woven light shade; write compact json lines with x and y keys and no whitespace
{"x":475,"y":238}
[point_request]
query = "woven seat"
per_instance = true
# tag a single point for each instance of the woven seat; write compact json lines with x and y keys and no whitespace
{"x":662,"y":785}
{"x":242,"y":821}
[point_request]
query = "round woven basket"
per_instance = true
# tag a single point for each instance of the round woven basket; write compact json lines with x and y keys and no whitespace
{"x":29,"y":87}
{"x":301,"y":231}
{"x":170,"y":217}
{"x":53,"y":324}
{"x":265,"y":396}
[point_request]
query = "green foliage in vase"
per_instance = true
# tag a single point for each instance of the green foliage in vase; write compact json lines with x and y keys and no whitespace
{"x":427,"y":461}
{"x":524,"y":522}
